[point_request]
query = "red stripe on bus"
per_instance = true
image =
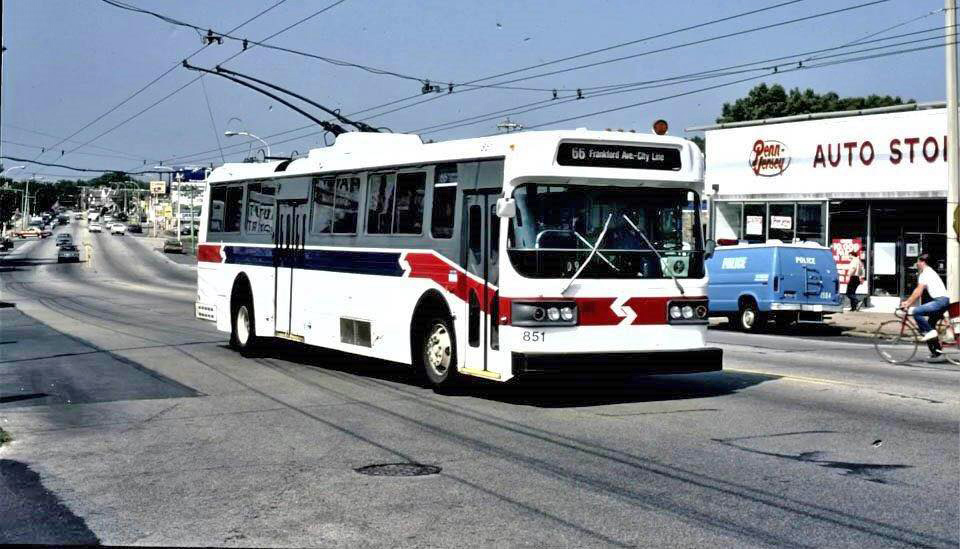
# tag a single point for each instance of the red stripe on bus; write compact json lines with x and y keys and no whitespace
{"x":598,"y":311}
{"x":437,"y":269}
{"x":209,"y":253}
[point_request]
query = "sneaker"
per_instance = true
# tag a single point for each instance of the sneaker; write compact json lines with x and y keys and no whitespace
{"x":932,"y":334}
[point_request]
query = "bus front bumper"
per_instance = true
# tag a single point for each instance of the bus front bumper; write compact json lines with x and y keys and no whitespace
{"x":685,"y":361}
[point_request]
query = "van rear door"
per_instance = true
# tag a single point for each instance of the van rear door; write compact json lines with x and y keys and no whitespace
{"x":807,"y":275}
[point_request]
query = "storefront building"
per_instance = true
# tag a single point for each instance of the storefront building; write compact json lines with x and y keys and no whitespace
{"x":867,"y":184}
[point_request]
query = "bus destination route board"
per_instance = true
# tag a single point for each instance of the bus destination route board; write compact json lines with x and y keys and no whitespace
{"x":596,"y":155}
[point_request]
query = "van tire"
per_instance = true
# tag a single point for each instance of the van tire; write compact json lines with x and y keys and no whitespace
{"x":749,"y":318}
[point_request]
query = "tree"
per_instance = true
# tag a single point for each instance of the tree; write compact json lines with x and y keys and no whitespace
{"x":773,"y":101}
{"x":701,"y":142}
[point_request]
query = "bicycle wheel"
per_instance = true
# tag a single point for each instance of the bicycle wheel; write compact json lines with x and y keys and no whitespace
{"x":896,"y":342}
{"x":949,"y":342}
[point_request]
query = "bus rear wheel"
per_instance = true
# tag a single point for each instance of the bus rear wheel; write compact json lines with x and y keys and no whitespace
{"x":243,"y":327}
{"x":438,"y":355}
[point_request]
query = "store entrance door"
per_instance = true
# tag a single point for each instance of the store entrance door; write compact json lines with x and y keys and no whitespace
{"x":914,"y":244}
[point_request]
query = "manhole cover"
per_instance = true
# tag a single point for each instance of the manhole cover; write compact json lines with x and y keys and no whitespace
{"x":398,"y":470}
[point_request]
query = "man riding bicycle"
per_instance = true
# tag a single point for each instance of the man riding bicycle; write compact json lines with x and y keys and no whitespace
{"x":928,"y":280}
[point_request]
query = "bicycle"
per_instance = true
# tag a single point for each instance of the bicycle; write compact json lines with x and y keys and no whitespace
{"x":897,"y":341}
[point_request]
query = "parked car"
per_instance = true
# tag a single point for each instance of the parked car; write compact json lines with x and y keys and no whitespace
{"x":754,"y":283}
{"x":64,"y":238}
{"x":68,"y":253}
{"x":172,"y":246}
{"x":94,"y":227}
{"x":118,"y":228}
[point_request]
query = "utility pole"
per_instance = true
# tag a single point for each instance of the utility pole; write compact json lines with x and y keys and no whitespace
{"x":953,"y":156}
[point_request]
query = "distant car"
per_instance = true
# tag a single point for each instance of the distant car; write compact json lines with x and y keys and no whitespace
{"x":28,"y":232}
{"x":134,"y":228}
{"x":95,"y":227}
{"x":64,"y":238}
{"x":172,"y":246}
{"x":78,"y":215}
{"x":68,"y":254}
{"x":45,"y":232}
{"x":118,"y":228}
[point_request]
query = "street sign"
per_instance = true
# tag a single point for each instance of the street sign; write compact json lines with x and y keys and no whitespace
{"x":158,"y":188}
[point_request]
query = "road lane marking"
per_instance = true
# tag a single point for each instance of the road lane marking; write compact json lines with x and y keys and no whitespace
{"x":821,"y":381}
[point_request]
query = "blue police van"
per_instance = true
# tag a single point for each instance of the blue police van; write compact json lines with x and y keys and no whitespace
{"x":752,"y":284}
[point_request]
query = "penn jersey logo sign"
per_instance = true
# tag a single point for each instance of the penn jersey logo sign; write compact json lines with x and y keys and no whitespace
{"x":769,"y":158}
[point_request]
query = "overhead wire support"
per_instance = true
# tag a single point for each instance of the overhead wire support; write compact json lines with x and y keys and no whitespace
{"x":335,"y":129}
{"x":361,"y":126}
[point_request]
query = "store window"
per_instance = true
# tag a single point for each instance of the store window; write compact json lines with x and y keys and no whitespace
{"x":810,"y":223}
{"x":729,"y":218}
{"x":780,"y":221}
{"x":754,"y":226}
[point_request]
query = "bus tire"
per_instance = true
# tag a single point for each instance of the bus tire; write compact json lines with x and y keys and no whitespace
{"x":438,"y":354}
{"x":243,"y":326}
{"x":749,"y":318}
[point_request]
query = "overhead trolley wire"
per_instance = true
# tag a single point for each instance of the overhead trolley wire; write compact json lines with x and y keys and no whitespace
{"x":542,"y":64}
{"x":648,"y":52}
{"x":174,"y":92}
{"x":151,"y":83}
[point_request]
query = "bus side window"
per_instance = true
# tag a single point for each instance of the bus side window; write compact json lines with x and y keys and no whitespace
{"x":444,"y":201}
{"x":476,"y":221}
{"x":233,"y":210}
{"x":408,"y":218}
{"x":218,"y":198}
{"x":380,"y":195}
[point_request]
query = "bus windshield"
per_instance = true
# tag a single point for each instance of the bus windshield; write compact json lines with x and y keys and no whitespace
{"x":556,"y":227}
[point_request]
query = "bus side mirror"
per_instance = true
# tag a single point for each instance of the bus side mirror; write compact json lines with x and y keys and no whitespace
{"x":708,"y":250}
{"x":506,"y":207}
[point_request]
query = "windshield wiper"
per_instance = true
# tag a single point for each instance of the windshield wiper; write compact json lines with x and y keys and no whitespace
{"x":656,"y":253}
{"x":593,"y":252}
{"x":603,"y":257}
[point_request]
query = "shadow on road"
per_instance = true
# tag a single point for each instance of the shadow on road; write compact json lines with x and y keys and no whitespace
{"x":24,"y":500}
{"x":796,"y":330}
{"x":545,"y":391}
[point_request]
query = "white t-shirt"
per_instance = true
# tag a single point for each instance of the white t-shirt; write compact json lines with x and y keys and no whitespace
{"x":931,"y":280}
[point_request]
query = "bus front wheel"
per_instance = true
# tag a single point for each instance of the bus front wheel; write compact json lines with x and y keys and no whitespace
{"x":438,"y":354}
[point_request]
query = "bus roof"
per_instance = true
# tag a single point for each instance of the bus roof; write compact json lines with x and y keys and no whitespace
{"x":532,"y":153}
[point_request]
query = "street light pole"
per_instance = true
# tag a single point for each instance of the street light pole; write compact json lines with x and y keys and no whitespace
{"x":953,"y":162}
{"x":230,"y":133}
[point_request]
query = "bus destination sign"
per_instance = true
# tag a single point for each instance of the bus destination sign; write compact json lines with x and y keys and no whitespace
{"x":597,"y":155}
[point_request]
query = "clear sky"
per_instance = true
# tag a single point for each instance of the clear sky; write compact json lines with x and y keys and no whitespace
{"x":69,"y":61}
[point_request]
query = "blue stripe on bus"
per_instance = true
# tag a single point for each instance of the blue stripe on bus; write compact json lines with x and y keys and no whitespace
{"x":340,"y":261}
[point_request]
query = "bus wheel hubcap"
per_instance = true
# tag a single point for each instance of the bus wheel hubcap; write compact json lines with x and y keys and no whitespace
{"x":439,"y":350}
{"x":243,"y":325}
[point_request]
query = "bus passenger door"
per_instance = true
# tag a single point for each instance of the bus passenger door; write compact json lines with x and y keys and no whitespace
{"x":479,"y":258}
{"x":288,"y":256}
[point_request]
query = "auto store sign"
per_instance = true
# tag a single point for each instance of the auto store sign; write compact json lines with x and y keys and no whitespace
{"x":897,"y":154}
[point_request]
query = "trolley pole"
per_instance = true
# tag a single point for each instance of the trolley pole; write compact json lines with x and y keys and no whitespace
{"x":953,"y":156}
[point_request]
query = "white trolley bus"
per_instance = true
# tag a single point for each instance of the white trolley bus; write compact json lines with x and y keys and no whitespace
{"x":491,"y":257}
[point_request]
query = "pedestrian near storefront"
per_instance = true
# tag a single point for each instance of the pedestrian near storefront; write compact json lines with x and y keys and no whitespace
{"x":855,"y":276}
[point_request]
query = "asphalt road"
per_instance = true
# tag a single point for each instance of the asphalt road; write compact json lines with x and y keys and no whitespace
{"x":134,"y":423}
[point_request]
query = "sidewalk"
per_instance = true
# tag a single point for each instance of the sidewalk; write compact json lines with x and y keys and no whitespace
{"x":859,"y":323}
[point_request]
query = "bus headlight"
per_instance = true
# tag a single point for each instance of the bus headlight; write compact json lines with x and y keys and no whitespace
{"x":540,"y":313}
{"x":687,"y":311}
